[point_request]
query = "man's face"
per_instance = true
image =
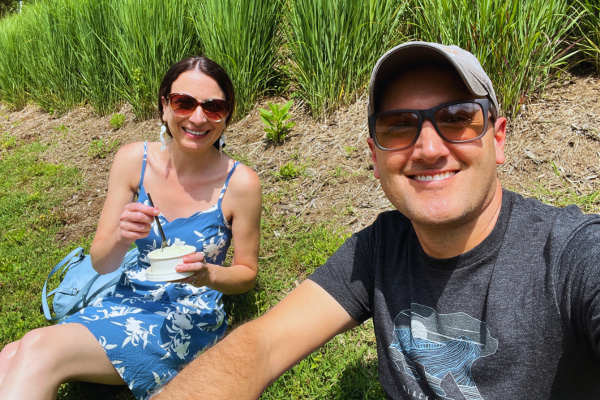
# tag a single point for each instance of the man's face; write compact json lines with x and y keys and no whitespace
{"x":435,"y":182}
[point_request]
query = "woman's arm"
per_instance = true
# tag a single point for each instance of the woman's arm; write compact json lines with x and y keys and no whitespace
{"x":243,"y":201}
{"x":121,"y":221}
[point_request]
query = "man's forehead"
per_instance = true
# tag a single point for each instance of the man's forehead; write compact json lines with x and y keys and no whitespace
{"x":421,"y":81}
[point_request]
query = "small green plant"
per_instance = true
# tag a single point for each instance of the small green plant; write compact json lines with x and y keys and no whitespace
{"x":339,"y":172}
{"x":101,"y":149}
{"x":275,"y":119}
{"x":7,"y":141}
{"x":117,"y":120}
{"x":349,"y":150}
{"x":290,"y":171}
{"x":62,"y":128}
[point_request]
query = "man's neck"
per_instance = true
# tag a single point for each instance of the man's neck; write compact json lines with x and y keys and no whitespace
{"x":446,"y":241}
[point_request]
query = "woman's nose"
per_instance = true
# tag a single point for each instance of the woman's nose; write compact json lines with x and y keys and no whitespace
{"x":198,"y":115}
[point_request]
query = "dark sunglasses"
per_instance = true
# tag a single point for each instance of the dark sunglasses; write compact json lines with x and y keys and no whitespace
{"x":184,"y":105}
{"x":456,"y":122}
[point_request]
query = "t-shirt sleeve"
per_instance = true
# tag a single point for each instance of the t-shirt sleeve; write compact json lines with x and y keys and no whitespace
{"x":347,"y":275}
{"x":580,"y":300}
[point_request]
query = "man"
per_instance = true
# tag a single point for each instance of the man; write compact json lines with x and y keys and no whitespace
{"x":474,"y":291}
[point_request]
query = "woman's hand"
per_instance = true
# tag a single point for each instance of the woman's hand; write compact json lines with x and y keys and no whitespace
{"x":196,"y":263}
{"x":136,"y":221}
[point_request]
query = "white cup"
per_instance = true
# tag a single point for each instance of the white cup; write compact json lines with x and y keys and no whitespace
{"x":163,"y":262}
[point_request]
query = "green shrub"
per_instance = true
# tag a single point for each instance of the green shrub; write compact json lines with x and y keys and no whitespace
{"x":275,"y":119}
{"x":117,"y":121}
{"x":101,"y":149}
{"x":290,"y":171}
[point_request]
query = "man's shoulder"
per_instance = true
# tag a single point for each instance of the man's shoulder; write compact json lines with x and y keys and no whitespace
{"x":533,"y":206}
{"x":534,"y":214}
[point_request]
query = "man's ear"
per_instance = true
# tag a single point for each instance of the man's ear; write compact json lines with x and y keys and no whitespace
{"x":500,"y":139}
{"x":373,"y":148}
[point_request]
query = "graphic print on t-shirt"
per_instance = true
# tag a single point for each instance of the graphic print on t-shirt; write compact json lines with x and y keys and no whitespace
{"x":440,"y":349}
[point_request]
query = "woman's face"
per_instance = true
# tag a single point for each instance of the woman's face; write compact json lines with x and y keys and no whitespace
{"x":195,"y":130}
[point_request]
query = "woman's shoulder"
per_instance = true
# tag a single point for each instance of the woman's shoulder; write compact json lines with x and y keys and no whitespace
{"x":129,"y":159}
{"x":244,"y":181}
{"x":130,"y":151}
{"x":244,"y":174}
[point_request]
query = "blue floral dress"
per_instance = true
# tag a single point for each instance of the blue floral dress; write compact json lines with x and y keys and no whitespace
{"x":149,"y":330}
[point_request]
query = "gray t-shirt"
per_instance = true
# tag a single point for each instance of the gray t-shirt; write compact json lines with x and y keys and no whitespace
{"x":517,"y":317}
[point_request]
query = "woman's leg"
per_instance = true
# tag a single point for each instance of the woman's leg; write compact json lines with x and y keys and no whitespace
{"x":6,"y":356}
{"x":46,"y":357}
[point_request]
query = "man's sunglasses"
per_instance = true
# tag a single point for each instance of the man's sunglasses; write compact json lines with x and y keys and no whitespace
{"x":184,"y":105}
{"x":456,"y":122}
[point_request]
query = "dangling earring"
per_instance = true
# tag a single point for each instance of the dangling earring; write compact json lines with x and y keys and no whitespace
{"x":164,"y":142}
{"x":221,"y":144}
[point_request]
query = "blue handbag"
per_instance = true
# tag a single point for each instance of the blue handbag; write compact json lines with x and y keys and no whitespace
{"x":80,"y":284}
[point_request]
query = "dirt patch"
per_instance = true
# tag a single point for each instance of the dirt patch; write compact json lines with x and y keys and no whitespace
{"x":555,"y":143}
{"x":552,"y":145}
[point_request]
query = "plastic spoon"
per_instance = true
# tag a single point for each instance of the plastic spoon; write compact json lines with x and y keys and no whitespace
{"x":160,"y":229}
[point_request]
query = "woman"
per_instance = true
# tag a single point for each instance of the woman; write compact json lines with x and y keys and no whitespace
{"x":145,"y":332}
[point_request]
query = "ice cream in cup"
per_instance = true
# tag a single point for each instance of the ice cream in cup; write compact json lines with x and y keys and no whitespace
{"x":163,"y":262}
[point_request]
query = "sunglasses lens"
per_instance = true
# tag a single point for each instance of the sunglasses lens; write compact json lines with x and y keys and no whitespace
{"x":215,"y":109}
{"x":183,"y":105}
{"x":460,"y":122}
{"x":396,"y":130}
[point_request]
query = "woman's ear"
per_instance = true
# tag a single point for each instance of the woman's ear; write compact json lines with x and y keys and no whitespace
{"x":165,"y":104}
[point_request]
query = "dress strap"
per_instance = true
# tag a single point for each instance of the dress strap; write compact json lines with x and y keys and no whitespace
{"x":143,"y":166}
{"x":227,"y":183}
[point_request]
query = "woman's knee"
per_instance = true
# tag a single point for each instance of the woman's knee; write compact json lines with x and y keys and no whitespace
{"x":8,"y":352}
{"x":6,"y":356}
{"x":37,"y":347}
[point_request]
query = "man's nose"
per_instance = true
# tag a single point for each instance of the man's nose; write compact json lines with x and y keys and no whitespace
{"x":430,"y":144}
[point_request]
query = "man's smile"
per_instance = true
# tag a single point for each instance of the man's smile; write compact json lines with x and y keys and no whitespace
{"x":431,"y":178}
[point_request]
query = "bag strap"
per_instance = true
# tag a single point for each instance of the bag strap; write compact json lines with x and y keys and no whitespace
{"x":78,"y":252}
{"x":130,"y":258}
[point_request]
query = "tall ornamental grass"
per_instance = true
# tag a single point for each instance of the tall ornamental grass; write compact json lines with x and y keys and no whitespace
{"x":12,"y":70}
{"x":241,"y":36}
{"x":46,"y":56}
{"x":152,"y":36}
{"x":62,"y":53}
{"x":94,"y":49}
{"x":333,"y":46}
{"x":590,"y":30}
{"x":519,"y":43}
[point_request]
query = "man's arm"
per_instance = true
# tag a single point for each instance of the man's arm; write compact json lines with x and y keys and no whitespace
{"x":242,"y":365}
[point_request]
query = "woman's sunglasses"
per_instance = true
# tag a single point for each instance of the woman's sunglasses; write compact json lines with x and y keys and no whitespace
{"x":184,"y":105}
